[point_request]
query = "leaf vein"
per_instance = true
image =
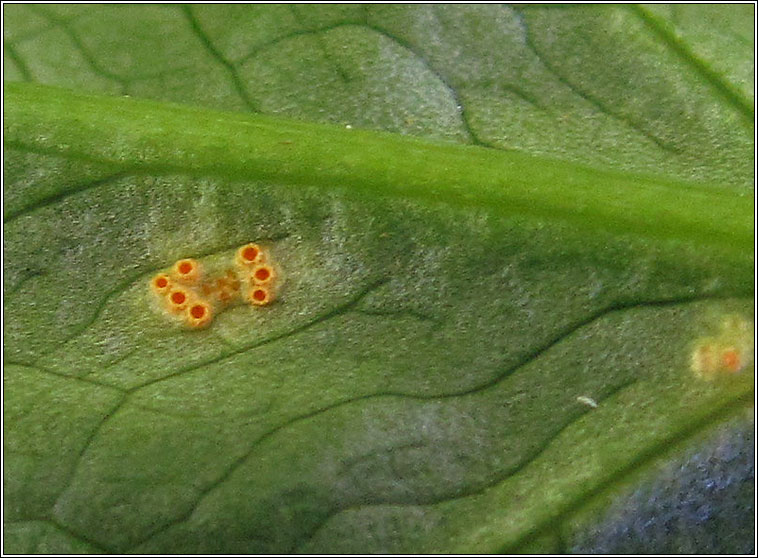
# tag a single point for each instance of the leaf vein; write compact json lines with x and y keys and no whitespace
{"x":13,"y":54}
{"x":37,"y":367}
{"x":65,"y":26}
{"x":593,"y":100}
{"x":337,"y":311}
{"x":62,"y":528}
{"x":306,"y":416}
{"x":733,"y":96}
{"x":220,"y":58}
{"x":476,"y":491}
{"x":456,"y":96}
{"x":28,"y":276}
{"x":652,"y":454}
{"x":62,"y":195}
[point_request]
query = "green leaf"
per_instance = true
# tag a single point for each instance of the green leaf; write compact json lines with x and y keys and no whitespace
{"x":574,"y":215}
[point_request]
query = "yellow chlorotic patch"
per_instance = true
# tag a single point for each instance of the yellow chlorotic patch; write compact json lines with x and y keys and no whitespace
{"x":186,"y":292}
{"x":224,"y":289}
{"x":729,"y":352}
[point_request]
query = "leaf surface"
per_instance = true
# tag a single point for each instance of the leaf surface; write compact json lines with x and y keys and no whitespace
{"x":445,"y":307}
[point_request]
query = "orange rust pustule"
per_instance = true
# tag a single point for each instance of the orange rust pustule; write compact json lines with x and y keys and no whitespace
{"x":731,"y":360}
{"x":198,"y":314}
{"x":249,"y":255}
{"x":186,"y":271}
{"x":262,"y":274}
{"x":178,"y":299}
{"x":259,"y":296}
{"x":161,"y":284}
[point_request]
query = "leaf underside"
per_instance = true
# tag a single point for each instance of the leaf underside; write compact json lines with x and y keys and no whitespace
{"x":420,"y":383}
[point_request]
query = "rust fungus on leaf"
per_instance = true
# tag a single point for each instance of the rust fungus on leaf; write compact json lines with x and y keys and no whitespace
{"x":161,"y":284}
{"x":178,"y":299}
{"x":187,"y":271}
{"x":249,"y":255}
{"x":259,"y":296}
{"x":199,"y":314}
{"x":262,"y":274}
{"x":730,"y":352}
{"x":186,"y":291}
{"x":730,"y":359}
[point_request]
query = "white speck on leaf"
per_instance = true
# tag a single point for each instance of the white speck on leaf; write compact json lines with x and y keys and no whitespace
{"x":584,"y":400}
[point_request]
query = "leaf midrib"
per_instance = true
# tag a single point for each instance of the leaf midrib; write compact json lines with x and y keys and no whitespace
{"x":155,"y":138}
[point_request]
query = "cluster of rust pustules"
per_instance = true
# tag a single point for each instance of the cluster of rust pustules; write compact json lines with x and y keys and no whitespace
{"x":186,"y":292}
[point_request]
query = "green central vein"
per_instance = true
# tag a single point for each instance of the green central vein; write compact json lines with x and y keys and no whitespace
{"x":163,"y":138}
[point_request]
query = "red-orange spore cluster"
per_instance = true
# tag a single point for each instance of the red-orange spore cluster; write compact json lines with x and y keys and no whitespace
{"x":177,"y":290}
{"x":178,"y":299}
{"x":187,"y":271}
{"x":186,"y":293}
{"x":254,"y":264}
